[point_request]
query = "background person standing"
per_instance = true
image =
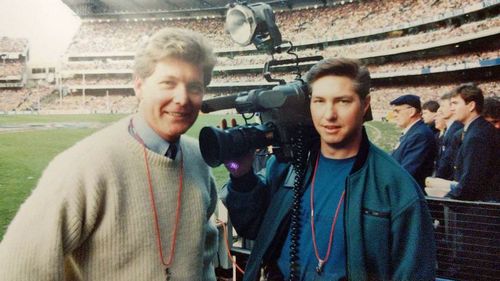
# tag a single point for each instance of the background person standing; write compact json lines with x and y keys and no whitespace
{"x":416,"y":149}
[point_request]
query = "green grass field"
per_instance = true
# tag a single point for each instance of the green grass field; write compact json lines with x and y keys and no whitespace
{"x":24,"y":154}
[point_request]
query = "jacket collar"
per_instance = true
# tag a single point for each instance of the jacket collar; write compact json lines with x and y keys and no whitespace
{"x":362,"y":153}
{"x":315,"y":149}
{"x":466,"y":126}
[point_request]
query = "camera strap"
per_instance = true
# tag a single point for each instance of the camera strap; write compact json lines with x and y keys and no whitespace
{"x":322,"y":261}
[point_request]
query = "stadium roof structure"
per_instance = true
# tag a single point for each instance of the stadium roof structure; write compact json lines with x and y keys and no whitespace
{"x":99,"y":8}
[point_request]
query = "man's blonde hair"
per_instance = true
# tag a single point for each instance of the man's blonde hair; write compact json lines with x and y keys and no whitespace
{"x":176,"y":43}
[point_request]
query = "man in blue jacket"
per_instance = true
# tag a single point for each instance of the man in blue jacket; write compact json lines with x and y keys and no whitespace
{"x":416,"y":150}
{"x":478,"y":159}
{"x":362,"y":217}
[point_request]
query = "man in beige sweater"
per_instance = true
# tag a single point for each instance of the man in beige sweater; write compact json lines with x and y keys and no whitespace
{"x":134,"y":200}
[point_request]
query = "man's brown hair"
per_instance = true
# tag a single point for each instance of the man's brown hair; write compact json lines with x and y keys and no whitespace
{"x":176,"y":43}
{"x":346,"y":67}
{"x":470,"y":92}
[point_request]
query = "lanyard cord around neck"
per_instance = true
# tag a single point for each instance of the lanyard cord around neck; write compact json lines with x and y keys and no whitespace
{"x":322,"y":261}
{"x":167,"y":263}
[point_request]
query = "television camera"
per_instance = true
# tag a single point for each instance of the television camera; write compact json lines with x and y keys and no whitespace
{"x":285,"y":119}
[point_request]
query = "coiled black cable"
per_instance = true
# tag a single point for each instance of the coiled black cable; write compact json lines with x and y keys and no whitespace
{"x":299,"y":162}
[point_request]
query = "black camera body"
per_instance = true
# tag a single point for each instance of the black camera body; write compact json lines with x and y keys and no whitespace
{"x":285,"y":119}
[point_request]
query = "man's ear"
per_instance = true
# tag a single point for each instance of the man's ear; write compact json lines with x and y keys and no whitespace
{"x":138,"y":87}
{"x":366,"y":104}
{"x":415,"y":112}
{"x":471,"y":106}
{"x":367,"y":110}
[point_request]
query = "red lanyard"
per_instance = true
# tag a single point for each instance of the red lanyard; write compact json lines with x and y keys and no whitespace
{"x":168,"y":263}
{"x":322,"y":261}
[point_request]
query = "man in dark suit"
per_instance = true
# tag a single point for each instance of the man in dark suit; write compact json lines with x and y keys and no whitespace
{"x":416,"y":149}
{"x":429,"y":112}
{"x":476,"y":179}
{"x":450,"y":141}
{"x":491,"y":111}
{"x":478,"y":158}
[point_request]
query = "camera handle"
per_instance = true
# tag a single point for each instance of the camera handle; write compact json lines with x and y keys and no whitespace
{"x":296,"y":61}
{"x":299,"y":164}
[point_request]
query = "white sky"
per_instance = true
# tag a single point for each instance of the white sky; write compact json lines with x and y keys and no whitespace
{"x":49,"y":25}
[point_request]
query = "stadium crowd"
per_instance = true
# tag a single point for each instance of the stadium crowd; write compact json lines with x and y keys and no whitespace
{"x":337,"y":21}
{"x":310,"y":24}
{"x":322,"y":24}
{"x":75,"y":102}
{"x":12,"y":68}
{"x":13,"y":45}
{"x":23,"y":99}
{"x":102,"y":80}
{"x":105,"y":64}
{"x":435,"y":62}
{"x":362,"y":50}
{"x":441,"y":62}
{"x":352,"y":50}
{"x":12,"y":53}
{"x":11,"y":99}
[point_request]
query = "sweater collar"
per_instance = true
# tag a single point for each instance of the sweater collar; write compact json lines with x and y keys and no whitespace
{"x":151,"y":139}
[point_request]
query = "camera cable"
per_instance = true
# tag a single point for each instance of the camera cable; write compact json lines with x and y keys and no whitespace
{"x":299,"y":165}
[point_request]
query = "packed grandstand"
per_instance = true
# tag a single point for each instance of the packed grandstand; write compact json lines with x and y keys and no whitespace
{"x":423,"y":47}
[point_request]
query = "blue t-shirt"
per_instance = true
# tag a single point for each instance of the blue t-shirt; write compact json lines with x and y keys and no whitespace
{"x":329,"y":184}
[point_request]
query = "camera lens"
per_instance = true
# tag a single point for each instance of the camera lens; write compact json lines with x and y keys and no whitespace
{"x":210,"y":141}
{"x":218,"y":145}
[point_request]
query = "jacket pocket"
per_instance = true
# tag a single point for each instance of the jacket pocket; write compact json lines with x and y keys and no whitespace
{"x":377,"y":241}
{"x":376,"y":213}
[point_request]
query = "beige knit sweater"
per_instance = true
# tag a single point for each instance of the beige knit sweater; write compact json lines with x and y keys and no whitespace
{"x":92,"y":206}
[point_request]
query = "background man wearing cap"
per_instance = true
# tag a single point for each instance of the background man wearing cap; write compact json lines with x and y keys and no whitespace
{"x":416,"y":149}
